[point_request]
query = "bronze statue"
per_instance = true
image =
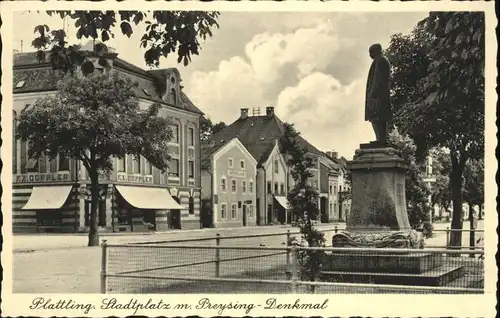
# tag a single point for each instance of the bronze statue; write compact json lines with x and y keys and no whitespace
{"x":378,"y":104}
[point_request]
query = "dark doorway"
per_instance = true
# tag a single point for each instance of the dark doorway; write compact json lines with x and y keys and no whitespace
{"x":257,"y":212}
{"x":324,"y":210}
{"x":206,"y":214}
{"x":244,"y":215}
{"x":175,"y":216}
{"x":150,"y":219}
{"x":269,"y":214}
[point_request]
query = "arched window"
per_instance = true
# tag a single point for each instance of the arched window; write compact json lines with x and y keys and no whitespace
{"x":173,"y":96}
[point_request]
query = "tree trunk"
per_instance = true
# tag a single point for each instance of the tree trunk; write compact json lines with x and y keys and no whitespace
{"x":471,"y":233}
{"x":457,"y":167}
{"x":94,"y":190}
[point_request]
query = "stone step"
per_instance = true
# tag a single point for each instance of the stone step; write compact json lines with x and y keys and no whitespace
{"x":467,"y":281}
{"x":440,"y":276}
{"x":411,"y":263}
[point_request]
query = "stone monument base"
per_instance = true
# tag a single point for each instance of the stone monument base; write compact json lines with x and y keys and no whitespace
{"x":379,"y":239}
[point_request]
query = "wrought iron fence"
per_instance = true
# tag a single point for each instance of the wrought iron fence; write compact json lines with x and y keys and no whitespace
{"x":164,"y":268}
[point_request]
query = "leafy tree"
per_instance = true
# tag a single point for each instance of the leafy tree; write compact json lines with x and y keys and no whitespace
{"x":450,"y":110}
{"x":474,"y":185}
{"x":166,"y":32}
{"x":441,"y":189}
{"x":220,"y":126}
{"x":303,"y":199}
{"x":205,"y":130}
{"x":417,"y":191}
{"x":93,"y":119}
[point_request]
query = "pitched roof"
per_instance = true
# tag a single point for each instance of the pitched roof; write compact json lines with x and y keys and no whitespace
{"x":39,"y":76}
{"x":259,"y":134}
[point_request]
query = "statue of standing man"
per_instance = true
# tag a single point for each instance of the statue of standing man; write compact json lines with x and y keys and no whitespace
{"x":378,"y":104}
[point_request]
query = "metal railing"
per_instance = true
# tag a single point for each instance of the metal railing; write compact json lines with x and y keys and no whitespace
{"x":150,"y":268}
{"x":474,"y":241}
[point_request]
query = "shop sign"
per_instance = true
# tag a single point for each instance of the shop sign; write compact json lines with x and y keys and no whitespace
{"x":236,"y":173}
{"x":134,"y":178}
{"x":42,"y":177}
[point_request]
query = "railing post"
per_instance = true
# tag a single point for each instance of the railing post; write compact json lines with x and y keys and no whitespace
{"x":217,"y":255}
{"x":447,"y":237}
{"x":294,"y":269}
{"x":288,"y":273}
{"x":104,"y":262}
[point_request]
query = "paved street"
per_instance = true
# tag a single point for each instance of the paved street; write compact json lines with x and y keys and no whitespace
{"x":62,"y":263}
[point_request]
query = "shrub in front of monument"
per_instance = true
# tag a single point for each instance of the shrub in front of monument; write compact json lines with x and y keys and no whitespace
{"x":417,"y":191}
{"x":303,"y":200}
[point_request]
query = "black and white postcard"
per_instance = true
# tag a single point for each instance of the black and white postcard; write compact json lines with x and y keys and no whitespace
{"x":248,"y":159}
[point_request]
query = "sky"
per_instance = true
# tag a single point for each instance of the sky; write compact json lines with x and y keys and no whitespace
{"x":310,"y":66}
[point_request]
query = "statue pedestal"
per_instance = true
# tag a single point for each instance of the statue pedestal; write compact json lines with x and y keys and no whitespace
{"x":378,"y":216}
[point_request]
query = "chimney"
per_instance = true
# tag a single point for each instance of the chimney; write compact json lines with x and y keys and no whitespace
{"x":244,"y":113}
{"x":335,"y":154}
{"x":329,"y":154}
{"x":269,"y":111}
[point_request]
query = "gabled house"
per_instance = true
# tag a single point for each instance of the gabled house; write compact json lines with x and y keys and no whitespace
{"x":260,"y":135}
{"x":136,"y":196}
{"x":228,"y":178}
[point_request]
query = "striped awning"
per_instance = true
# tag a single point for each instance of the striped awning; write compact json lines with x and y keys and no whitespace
{"x":47,"y":198}
{"x":149,"y":198}
{"x":283,"y":201}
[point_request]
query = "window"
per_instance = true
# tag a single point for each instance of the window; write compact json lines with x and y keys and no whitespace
{"x":243,"y":186}
{"x":335,"y":190}
{"x":32,"y":165}
{"x":276,"y":187}
{"x":148,"y":167}
{"x":250,"y":187}
{"x":233,"y":186}
{"x":242,"y":164}
{"x":52,"y":165}
{"x":191,"y":136}
{"x":190,"y":169}
{"x":175,"y":133}
{"x":269,"y":187}
{"x":331,"y":189}
{"x":173,"y":168}
{"x":223,"y":185}
{"x":191,"y":205}
{"x":282,"y":188}
{"x":230,"y":162}
{"x":63,"y":162}
{"x":233,"y":210}
{"x":223,"y":211}
{"x":120,"y":163}
{"x":14,"y":143}
{"x":331,"y":208}
{"x":137,"y":164}
{"x":276,"y":166}
{"x":173,"y":96}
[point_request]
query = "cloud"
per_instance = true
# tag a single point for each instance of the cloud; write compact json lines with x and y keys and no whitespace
{"x":328,"y":114}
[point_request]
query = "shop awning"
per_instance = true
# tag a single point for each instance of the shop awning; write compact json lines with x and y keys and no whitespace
{"x":47,"y":198}
{"x":283,"y":201}
{"x":149,"y":198}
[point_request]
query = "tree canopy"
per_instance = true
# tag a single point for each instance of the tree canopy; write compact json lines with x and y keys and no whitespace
{"x":448,"y":108}
{"x":417,"y":191}
{"x":166,"y":32}
{"x":93,"y":119}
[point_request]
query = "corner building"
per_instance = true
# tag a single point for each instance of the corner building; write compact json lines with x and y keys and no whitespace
{"x":54,"y":195}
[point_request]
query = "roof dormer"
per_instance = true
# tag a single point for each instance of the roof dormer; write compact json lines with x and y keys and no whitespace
{"x":172,"y":87}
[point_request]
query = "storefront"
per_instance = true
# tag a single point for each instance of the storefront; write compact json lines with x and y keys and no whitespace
{"x":146,"y":209}
{"x":53,"y":208}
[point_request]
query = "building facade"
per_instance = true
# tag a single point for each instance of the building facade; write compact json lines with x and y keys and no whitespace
{"x":272,"y":189}
{"x":54,"y":195}
{"x":228,"y":185}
